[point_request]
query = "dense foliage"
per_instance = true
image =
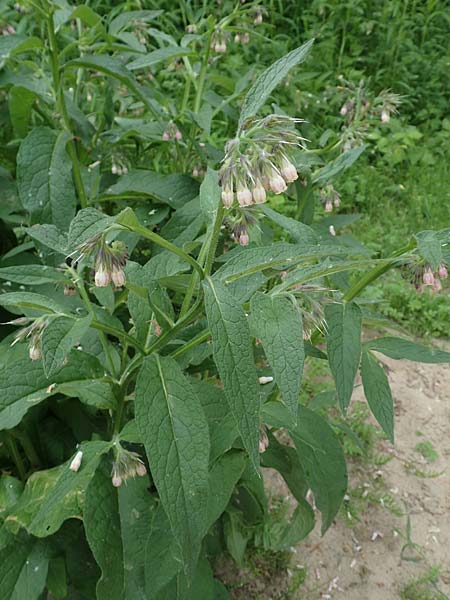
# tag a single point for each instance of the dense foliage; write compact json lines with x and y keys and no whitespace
{"x":171,"y":259}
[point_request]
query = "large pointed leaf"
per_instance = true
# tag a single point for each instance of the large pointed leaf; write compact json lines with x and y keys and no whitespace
{"x":270,"y":79}
{"x":32,"y":274}
{"x":23,"y":568}
{"x":59,"y":337}
{"x":65,"y":498}
{"x":174,"y":430}
{"x":398,"y":348}
{"x":234,"y":359}
{"x":378,"y":393}
{"x":278,"y":324}
{"x":299,"y":232}
{"x":344,"y":347}
{"x":44,"y":177}
{"x":23,"y":383}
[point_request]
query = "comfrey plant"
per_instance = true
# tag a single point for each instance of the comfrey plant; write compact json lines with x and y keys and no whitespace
{"x":151,"y":368}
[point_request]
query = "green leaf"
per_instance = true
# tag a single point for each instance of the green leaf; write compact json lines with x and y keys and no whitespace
{"x":57,"y":577}
{"x":58,"y":339}
{"x":269,"y":80}
{"x":32,"y":274}
{"x":162,"y":556}
{"x":341,"y":163}
{"x":278,"y":324}
{"x":399,"y":348}
{"x":210,"y":194}
{"x":280,"y":535}
{"x":234,"y":359}
{"x":174,"y":430}
{"x":30,"y":300}
{"x":10,"y":492}
{"x":65,"y":499}
{"x":174,"y":190}
{"x":10,"y":45}
{"x":222,"y":426}
{"x":378,"y":393}
{"x":23,"y":568}
{"x":286,"y":461}
{"x":87,"y":223}
{"x":49,"y":236}
{"x":127,"y":18}
{"x":299,"y":232}
{"x":102,"y":525}
{"x":343,"y":347}
{"x":236,"y":534}
{"x":19,"y":393}
{"x":223,"y":478}
{"x":20,"y":101}
{"x":87,"y":15}
{"x":44,"y":177}
{"x":323,"y":461}
{"x":246,"y":261}
{"x":429,"y":247}
{"x":153,"y":58}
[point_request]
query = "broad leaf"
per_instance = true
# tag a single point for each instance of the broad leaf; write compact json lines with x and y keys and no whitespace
{"x":287,"y":462}
{"x":341,"y":163}
{"x":174,"y":190}
{"x":20,"y":107}
{"x":87,"y":223}
{"x":270,"y":79}
{"x":157,"y":56}
{"x":343,"y":347}
{"x":299,"y":232}
{"x":210,"y":194}
{"x":175,"y":434}
{"x":32,"y":274}
{"x":58,"y":339}
{"x":429,"y":247}
{"x":277,"y":322}
{"x":44,"y":177}
{"x":234,"y":359}
{"x":50,"y":237}
{"x":398,"y":348}
{"x":378,"y":393}
{"x":30,"y":300}
{"x":23,"y":383}
{"x":23,"y":568}
{"x":281,"y":535}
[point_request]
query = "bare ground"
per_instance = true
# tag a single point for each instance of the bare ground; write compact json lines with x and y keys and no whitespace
{"x":360,"y":559}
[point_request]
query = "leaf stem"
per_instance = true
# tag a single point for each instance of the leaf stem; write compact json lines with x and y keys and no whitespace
{"x":15,"y":454}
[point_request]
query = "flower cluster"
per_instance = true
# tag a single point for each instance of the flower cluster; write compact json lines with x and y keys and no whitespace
{"x":425,"y":277}
{"x":126,"y":465}
{"x":33,"y":332}
{"x":258,"y":161}
{"x":109,"y":260}
{"x":172,"y":133}
{"x":219,"y":42}
{"x":330,"y":198}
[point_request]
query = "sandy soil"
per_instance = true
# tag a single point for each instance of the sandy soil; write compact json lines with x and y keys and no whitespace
{"x":363,"y":561}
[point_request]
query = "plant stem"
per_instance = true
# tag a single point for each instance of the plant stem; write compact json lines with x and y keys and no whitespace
{"x":203,"y":70}
{"x":12,"y":445}
{"x":203,"y":336}
{"x":28,"y":447}
{"x":61,"y":104}
{"x":212,"y":247}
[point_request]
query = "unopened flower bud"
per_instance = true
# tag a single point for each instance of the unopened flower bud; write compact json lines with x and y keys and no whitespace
{"x":227,"y":197}
{"x":288,"y":171}
{"x":166,"y":136}
{"x":385,"y":116}
{"x":220,"y":47}
{"x":258,"y":19}
{"x":114,"y":169}
{"x":118,"y":277}
{"x":442,"y":272}
{"x":428,"y":277}
{"x":244,"y":196}
{"x":34,"y":352}
{"x":102,"y":277}
{"x":141,"y":470}
{"x":259,"y":193}
{"x":240,"y":234}
{"x":237,"y":38}
{"x":337,"y":201}
{"x":344,"y":110}
{"x":178,"y":135}
{"x":437,"y":285}
{"x":332,"y":230}
{"x":277,"y":183}
{"x":76,"y":462}
{"x":116,"y":481}
{"x":245,"y":38}
{"x":328,"y":205}
{"x":69,"y":290}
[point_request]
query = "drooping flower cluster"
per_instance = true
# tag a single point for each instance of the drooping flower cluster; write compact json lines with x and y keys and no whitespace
{"x":109,"y":260}
{"x":126,"y":465}
{"x":425,"y":277}
{"x":330,"y":198}
{"x":172,"y":133}
{"x":258,"y":161}
{"x":33,"y":332}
